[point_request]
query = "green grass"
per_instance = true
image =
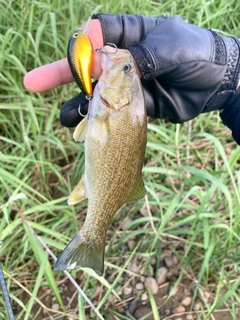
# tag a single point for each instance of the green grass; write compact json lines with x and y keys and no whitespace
{"x":191,"y":171}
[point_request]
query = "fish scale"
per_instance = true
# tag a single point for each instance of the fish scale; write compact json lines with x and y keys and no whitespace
{"x":115,"y":140}
{"x":122,"y":172}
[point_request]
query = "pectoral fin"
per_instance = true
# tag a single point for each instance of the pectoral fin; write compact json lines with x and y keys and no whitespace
{"x":79,"y":193}
{"x":138,"y":191}
{"x":81,"y":130}
{"x":99,"y":131}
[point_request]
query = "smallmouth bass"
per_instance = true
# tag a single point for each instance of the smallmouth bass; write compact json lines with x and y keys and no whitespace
{"x":115,"y":134}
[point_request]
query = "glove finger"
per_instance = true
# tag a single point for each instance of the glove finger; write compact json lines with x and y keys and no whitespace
{"x":231,"y":115}
{"x":69,"y":114}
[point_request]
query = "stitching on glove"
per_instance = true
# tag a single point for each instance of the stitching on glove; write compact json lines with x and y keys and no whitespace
{"x":231,"y":77}
{"x":220,"y":49}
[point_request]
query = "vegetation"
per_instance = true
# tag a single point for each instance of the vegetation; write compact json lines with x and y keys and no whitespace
{"x":191,"y":173}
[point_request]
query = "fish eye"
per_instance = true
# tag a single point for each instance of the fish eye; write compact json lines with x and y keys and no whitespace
{"x":75,"y":35}
{"x":127,"y":68}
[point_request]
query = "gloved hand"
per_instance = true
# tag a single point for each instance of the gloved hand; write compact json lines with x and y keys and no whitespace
{"x":186,"y":70}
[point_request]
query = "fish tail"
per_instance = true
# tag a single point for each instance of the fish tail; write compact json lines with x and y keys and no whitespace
{"x":81,"y":252}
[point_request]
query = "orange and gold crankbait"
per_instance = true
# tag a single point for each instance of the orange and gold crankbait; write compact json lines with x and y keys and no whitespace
{"x":80,"y":59}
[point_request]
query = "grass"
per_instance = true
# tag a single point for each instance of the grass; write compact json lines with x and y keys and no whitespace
{"x":191,"y":173}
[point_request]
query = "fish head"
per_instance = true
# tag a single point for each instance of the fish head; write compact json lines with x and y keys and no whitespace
{"x":119,"y":81}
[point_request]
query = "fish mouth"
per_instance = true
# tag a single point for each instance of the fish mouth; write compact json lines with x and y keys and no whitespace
{"x":105,"y":102}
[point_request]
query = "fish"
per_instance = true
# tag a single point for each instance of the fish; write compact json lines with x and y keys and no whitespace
{"x":114,"y":134}
{"x":80,"y":56}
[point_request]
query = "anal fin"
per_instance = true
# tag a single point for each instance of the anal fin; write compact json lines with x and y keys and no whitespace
{"x":79,"y":193}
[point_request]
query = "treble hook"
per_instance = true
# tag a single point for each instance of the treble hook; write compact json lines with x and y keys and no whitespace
{"x":101,"y":50}
{"x":79,"y":111}
{"x":88,"y":97}
{"x":86,"y":29}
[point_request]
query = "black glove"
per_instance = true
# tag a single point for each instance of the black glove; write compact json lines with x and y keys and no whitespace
{"x":231,"y":115}
{"x":185,"y":70}
{"x":71,"y":110}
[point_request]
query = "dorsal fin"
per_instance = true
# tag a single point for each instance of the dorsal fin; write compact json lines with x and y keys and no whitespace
{"x":138,"y":191}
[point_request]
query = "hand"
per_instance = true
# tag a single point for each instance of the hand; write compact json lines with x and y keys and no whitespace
{"x":185,"y":70}
{"x":58,"y":73}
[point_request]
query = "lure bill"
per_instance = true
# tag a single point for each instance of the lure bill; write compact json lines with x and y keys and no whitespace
{"x":80,"y":58}
{"x":115,"y":134}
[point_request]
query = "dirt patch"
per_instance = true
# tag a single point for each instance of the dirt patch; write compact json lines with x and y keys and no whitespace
{"x":175,"y":299}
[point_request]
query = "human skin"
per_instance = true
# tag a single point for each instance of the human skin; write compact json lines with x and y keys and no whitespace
{"x":58,"y":73}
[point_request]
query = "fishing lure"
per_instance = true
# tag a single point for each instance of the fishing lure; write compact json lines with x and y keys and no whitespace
{"x":80,"y":58}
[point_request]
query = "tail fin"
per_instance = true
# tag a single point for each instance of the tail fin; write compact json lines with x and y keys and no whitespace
{"x":81,"y":253}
